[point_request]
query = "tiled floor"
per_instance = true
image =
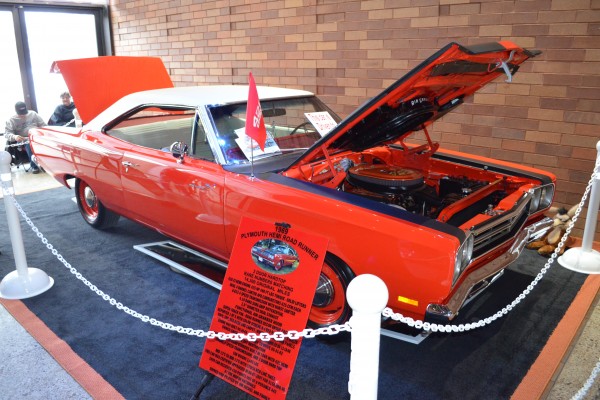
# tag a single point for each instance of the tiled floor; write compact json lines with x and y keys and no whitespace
{"x":27,"y":371}
{"x":580,"y":361}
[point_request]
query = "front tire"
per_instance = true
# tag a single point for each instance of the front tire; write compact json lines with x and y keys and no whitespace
{"x":279,"y":265}
{"x":330,"y":306}
{"x":91,"y":208}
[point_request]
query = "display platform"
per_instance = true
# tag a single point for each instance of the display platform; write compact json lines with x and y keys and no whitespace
{"x":144,"y":361}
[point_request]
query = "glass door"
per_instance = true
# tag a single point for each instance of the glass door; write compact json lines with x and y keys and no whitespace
{"x":52,"y":36}
{"x":36,"y":35}
{"x":10,"y":73}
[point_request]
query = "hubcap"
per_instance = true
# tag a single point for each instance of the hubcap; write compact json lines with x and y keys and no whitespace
{"x":325,"y":292}
{"x":89,"y":198}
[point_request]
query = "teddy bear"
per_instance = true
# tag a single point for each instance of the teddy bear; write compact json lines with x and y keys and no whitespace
{"x":548,"y":243}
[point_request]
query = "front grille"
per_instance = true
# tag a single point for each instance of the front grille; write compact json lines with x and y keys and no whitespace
{"x":500,"y":228}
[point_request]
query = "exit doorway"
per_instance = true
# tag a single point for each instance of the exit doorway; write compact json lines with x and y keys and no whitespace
{"x":33,"y":37}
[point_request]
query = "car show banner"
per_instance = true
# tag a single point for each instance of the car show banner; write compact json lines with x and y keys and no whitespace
{"x":269,"y":287}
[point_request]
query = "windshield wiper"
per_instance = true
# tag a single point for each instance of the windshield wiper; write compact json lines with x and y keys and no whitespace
{"x":280,"y":152}
{"x":294,"y":149}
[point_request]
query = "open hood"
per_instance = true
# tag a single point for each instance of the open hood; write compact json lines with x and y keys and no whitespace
{"x":96,"y":83}
{"x":436,"y":86}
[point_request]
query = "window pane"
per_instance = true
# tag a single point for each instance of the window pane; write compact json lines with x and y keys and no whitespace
{"x":56,"y":36}
{"x":156,"y":128}
{"x":287,"y":126}
{"x":10,"y":81}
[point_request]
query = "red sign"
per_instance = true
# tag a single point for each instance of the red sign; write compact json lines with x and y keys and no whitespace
{"x":269,"y":287}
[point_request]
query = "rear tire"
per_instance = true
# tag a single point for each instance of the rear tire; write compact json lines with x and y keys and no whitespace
{"x":330,"y":306}
{"x":91,"y":208}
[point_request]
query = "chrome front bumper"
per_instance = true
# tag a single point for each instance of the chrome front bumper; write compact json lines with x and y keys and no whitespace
{"x":481,"y":278}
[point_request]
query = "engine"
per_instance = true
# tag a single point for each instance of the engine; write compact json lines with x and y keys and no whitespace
{"x":408,"y":188}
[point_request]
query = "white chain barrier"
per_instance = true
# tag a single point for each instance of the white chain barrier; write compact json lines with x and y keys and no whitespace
{"x":18,"y":144}
{"x":309,"y":333}
{"x":332,"y":329}
{"x":588,"y":384}
{"x":252,"y":337}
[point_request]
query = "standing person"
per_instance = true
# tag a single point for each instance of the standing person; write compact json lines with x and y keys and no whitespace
{"x":18,"y":126}
{"x":63,"y":113}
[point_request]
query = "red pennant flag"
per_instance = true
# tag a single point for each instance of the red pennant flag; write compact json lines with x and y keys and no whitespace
{"x":255,"y":124}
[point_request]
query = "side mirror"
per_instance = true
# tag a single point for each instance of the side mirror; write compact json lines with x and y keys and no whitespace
{"x":179,"y":150}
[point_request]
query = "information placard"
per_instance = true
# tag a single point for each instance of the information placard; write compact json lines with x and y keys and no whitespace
{"x":250,"y":147}
{"x":269,"y":287}
{"x":322,"y":121}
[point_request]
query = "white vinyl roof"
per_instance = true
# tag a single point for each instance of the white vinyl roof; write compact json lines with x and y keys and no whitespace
{"x":193,"y":96}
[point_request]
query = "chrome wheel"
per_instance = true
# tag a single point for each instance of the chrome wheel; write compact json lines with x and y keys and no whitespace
{"x":329,"y":305}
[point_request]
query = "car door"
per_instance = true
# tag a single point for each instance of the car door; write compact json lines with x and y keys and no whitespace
{"x":180,"y":197}
{"x":97,"y":159}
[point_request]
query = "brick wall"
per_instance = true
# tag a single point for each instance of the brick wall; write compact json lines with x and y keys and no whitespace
{"x":348,"y":51}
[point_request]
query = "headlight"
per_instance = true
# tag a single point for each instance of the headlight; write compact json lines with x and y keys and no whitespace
{"x":463,"y":257}
{"x":541,"y":198}
{"x":547,"y":196}
{"x":535,"y":200}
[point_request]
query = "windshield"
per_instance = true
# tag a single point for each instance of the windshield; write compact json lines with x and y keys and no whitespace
{"x":288,"y":124}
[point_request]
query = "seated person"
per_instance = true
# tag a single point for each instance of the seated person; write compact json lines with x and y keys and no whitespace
{"x":78,"y":121}
{"x":17,"y":129}
{"x":63,"y":113}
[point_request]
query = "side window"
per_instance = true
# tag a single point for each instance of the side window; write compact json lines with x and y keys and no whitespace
{"x":201,"y":148}
{"x":156,"y":127}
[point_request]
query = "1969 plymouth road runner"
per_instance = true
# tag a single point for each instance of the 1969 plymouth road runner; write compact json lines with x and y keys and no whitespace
{"x":277,"y":256}
{"x":437,"y":226}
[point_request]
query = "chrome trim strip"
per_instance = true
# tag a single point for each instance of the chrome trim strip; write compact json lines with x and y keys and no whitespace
{"x":211,"y":136}
{"x":478,"y":289}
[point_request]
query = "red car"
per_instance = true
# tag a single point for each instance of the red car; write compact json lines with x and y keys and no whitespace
{"x":277,"y":256}
{"x":437,"y":226}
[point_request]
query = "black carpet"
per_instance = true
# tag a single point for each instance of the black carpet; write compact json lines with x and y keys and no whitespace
{"x":145,"y":362}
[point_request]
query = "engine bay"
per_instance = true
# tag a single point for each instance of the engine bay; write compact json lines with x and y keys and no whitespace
{"x":410,"y":179}
{"x":406,"y":188}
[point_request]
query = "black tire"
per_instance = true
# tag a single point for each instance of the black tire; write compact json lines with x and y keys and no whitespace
{"x":91,"y":208}
{"x":330,"y":306}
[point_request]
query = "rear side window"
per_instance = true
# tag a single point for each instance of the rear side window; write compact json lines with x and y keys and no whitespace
{"x":156,"y":127}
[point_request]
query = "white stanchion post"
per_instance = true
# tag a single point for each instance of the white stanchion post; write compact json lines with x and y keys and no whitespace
{"x":585,"y":259}
{"x":24,"y":282}
{"x":368,"y":296}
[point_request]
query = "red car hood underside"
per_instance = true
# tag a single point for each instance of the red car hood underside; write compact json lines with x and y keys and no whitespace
{"x":433,"y":88}
{"x":96,"y":83}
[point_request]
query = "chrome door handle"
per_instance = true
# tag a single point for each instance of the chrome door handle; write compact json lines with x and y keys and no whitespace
{"x":204,"y":186}
{"x":128,"y":164}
